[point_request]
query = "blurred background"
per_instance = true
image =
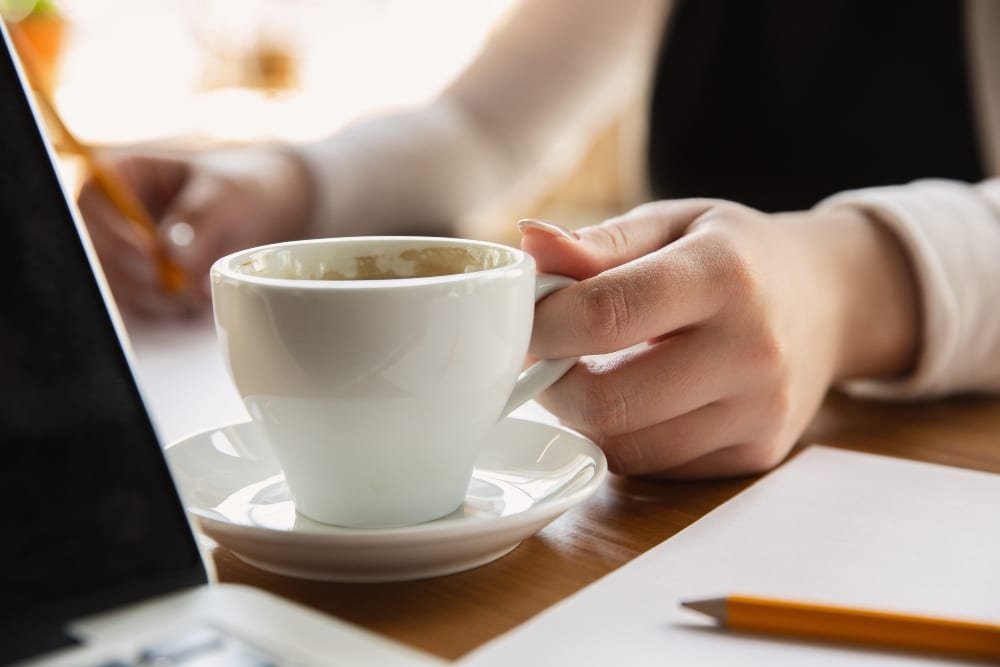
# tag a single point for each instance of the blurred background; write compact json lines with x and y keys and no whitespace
{"x":193,"y":74}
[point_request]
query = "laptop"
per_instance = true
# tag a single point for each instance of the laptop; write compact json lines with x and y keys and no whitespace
{"x":98,"y":562}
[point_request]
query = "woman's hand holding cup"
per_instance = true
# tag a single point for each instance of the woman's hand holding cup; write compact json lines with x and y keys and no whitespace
{"x":719,"y":328}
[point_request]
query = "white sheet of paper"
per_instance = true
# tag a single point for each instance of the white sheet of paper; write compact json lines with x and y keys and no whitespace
{"x":830,"y":526}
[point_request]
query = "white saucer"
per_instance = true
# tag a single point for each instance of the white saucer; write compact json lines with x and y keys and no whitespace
{"x":528,"y":474}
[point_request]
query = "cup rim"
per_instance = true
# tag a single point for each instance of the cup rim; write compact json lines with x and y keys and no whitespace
{"x":223,"y":267}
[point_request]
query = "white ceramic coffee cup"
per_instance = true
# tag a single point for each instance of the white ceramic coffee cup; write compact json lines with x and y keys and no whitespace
{"x":375,"y":394}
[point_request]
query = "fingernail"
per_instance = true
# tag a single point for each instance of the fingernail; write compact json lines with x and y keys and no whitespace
{"x":552,"y":228}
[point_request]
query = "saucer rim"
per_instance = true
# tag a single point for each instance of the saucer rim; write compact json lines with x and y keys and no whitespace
{"x":408,"y":536}
{"x":379,"y":577}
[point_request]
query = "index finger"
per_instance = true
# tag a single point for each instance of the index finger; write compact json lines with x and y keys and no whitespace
{"x":598,"y":248}
{"x":665,"y":291}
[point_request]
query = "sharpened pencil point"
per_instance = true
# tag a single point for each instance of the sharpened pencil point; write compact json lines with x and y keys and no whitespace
{"x":714,"y":607}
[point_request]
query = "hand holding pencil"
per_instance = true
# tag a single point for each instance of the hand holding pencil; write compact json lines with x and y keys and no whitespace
{"x":159,"y":222}
{"x":204,"y":207}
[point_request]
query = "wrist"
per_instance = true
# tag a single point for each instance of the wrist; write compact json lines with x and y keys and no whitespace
{"x":878,"y":314}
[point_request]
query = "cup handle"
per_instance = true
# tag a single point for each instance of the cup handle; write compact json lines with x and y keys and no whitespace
{"x":541,"y":374}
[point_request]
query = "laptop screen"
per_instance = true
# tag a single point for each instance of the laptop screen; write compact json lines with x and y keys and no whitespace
{"x":91,"y":517}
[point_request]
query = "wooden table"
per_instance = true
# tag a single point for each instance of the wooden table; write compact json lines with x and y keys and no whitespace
{"x":450,"y":616}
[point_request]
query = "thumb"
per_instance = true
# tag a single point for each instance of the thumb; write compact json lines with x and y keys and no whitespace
{"x":592,"y":250}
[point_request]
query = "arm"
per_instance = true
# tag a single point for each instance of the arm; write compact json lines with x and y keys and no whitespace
{"x":551,"y":74}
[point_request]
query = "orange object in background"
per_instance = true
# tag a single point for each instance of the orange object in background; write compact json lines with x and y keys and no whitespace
{"x":172,"y":276}
{"x":45,"y":30}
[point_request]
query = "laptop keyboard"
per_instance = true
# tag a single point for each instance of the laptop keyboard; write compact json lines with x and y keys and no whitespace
{"x":199,"y":647}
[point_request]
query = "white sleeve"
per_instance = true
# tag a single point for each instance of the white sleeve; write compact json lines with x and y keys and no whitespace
{"x":951,"y":232}
{"x":551,"y":74}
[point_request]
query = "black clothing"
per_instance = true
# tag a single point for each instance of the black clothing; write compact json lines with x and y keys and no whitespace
{"x":779,"y":103}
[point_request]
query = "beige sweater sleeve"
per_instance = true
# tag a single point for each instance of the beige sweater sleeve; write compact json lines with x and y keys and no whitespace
{"x":549,"y":76}
{"x":951,"y":231}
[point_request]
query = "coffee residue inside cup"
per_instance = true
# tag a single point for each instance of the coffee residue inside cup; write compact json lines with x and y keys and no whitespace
{"x":382,"y":264}
{"x":416,"y":263}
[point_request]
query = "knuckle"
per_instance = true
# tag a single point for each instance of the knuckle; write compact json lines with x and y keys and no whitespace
{"x":650,"y":209}
{"x":781,"y":400}
{"x":610,"y":234}
{"x":722,"y":216}
{"x":723,"y":243}
{"x":625,"y":454}
{"x":773,"y":406}
{"x":729,"y":264}
{"x":728,"y":211}
{"x":758,"y":458}
{"x":604,"y":315}
{"x":768,"y":352}
{"x":603,"y":407}
{"x":724,"y":258}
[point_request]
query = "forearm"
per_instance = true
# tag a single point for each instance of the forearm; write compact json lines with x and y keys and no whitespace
{"x":410,"y":172}
{"x":553,"y":73}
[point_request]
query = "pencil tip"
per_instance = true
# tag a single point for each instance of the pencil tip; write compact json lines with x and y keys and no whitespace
{"x":714,"y":607}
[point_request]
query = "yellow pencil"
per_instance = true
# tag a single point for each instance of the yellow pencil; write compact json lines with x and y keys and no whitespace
{"x":172,"y":276}
{"x":860,"y":626}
